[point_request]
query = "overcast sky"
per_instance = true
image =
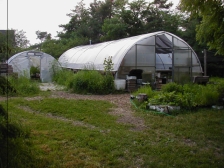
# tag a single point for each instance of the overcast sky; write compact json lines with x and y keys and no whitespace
{"x":43,"y":15}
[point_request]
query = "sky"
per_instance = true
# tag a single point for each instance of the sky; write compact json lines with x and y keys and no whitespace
{"x":43,"y":15}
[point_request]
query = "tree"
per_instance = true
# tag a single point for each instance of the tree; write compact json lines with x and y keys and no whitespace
{"x":21,"y":40}
{"x":7,"y":44}
{"x":42,"y":36}
{"x":210,"y":29}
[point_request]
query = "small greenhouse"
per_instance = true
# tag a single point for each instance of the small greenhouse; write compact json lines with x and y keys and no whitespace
{"x":158,"y":55}
{"x":34,"y":64}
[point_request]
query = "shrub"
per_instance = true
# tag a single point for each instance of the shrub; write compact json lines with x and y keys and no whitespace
{"x":6,"y":87}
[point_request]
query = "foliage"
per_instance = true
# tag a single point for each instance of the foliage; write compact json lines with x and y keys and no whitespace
{"x":210,"y":30}
{"x":171,"y":87}
{"x":110,"y":20}
{"x":188,"y":96}
{"x":85,"y":81}
{"x":24,"y":86}
{"x":145,"y":89}
{"x":7,"y":44}
{"x":57,"y":47}
{"x":108,"y":64}
{"x":64,"y":77}
{"x":42,"y":36}
{"x":14,"y":143}
{"x":34,"y":70}
{"x":92,"y":81}
{"x":21,"y":40}
{"x":6,"y":87}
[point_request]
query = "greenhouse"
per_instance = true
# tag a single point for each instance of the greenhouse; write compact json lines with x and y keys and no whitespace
{"x":148,"y":57}
{"x":34,"y":64}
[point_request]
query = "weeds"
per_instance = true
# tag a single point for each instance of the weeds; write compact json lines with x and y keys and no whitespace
{"x":24,"y":86}
{"x":86,"y":81}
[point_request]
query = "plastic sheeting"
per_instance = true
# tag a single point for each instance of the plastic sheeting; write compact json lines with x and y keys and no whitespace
{"x":152,"y":52}
{"x":22,"y":62}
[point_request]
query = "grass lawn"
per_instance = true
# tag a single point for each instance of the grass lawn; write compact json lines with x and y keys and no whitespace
{"x":82,"y":133}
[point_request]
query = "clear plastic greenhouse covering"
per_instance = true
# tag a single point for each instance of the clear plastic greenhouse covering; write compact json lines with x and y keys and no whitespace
{"x":23,"y":61}
{"x":152,"y":52}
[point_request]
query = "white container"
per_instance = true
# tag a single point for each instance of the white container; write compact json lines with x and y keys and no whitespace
{"x":130,"y":77}
{"x":119,"y":84}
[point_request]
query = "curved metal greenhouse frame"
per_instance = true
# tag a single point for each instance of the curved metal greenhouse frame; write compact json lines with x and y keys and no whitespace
{"x":23,"y":61}
{"x":155,"y":54}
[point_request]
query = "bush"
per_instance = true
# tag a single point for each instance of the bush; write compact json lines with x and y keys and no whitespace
{"x":6,"y":87}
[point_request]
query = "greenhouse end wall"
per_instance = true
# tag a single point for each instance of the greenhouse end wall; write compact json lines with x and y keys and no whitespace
{"x":161,"y":54}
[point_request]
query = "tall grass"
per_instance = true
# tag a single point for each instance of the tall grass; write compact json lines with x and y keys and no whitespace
{"x":24,"y":86}
{"x":15,"y":144}
{"x":85,"y":81}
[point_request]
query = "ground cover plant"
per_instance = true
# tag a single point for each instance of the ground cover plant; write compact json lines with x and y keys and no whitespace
{"x":83,"y":133}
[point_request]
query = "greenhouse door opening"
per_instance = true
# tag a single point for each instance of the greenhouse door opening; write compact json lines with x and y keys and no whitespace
{"x":35,"y":65}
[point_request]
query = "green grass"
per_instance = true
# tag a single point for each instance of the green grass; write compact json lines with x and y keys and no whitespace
{"x":82,"y":133}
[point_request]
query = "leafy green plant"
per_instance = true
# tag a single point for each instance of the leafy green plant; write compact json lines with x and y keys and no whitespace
{"x":171,"y":87}
{"x":145,"y":89}
{"x":188,"y":96}
{"x":108,"y":64}
{"x":34,"y":70}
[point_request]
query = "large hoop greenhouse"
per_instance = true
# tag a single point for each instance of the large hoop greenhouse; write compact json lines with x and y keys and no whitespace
{"x":148,"y":57}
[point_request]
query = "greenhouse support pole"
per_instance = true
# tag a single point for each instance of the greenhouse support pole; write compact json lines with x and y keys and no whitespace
{"x":205,"y":62}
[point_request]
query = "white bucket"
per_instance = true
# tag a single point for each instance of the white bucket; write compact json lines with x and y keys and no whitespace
{"x":119,"y":84}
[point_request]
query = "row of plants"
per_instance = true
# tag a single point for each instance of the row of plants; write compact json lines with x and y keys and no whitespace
{"x":187,"y":96}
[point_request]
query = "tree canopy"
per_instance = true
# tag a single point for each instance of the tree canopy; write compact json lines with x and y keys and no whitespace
{"x":211,"y":28}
